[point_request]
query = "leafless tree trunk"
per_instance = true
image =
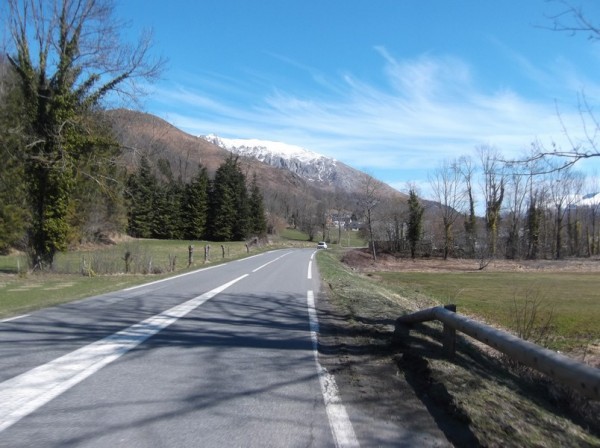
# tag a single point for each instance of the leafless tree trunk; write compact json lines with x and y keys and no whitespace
{"x":467,"y":170}
{"x":368,"y":201}
{"x":494,"y":182}
{"x":564,"y":187}
{"x":448,"y":190}
{"x":517,"y":188}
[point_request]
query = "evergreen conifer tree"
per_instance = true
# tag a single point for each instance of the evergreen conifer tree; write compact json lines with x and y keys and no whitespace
{"x":258,"y":222}
{"x":229,"y":216}
{"x":194,"y":209}
{"x":141,"y":192}
{"x":415,"y":222}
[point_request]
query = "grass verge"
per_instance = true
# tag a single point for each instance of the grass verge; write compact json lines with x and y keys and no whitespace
{"x":475,"y":399}
{"x":101,"y":269}
{"x":570,"y":300}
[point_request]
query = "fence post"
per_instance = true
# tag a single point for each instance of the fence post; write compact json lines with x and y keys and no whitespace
{"x":190,"y":255}
{"x":449,"y":335}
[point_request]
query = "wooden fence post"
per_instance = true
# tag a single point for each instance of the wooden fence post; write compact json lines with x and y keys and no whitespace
{"x":450,"y":335}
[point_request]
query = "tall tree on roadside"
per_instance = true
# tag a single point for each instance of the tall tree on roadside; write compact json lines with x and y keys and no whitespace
{"x":415,"y":221}
{"x":68,"y":57}
{"x":13,"y":210}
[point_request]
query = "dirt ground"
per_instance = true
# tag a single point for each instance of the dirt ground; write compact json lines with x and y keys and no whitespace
{"x":363,"y":261}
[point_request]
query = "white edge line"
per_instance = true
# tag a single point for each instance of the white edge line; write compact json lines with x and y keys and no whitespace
{"x":14,"y":318}
{"x":309,"y":274}
{"x":339,"y":422}
{"x":23,"y":394}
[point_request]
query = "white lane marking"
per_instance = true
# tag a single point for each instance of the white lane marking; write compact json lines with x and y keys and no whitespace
{"x":23,"y":394}
{"x":248,"y":258}
{"x":272,"y":261}
{"x":339,"y":422}
{"x":14,"y":318}
{"x":309,"y":274}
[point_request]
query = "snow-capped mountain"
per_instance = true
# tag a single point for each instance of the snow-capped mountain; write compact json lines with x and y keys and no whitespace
{"x":306,"y":164}
{"x":589,"y":200}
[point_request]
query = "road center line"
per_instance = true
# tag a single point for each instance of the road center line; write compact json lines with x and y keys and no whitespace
{"x":272,"y":261}
{"x":309,"y":274}
{"x":339,"y":422}
{"x":23,"y":394}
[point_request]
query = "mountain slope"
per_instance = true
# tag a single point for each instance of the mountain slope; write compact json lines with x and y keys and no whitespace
{"x":293,"y":181}
{"x":316,"y":168}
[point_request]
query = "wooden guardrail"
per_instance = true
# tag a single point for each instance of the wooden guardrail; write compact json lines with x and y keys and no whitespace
{"x":580,"y":376}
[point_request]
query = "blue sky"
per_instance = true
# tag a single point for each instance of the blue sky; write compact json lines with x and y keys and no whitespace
{"x":392,"y":87}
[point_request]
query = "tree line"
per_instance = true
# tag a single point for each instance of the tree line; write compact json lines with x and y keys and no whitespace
{"x":486,"y":207}
{"x":225,"y":208}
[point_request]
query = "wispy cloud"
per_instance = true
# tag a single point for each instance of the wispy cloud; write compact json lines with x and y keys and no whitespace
{"x":429,"y":108}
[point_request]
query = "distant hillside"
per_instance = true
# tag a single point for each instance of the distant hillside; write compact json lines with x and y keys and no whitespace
{"x":288,"y":181}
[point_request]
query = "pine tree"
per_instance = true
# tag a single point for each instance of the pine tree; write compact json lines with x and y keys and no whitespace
{"x":258,"y":222}
{"x":13,"y":210}
{"x":222,"y":211}
{"x":166,"y":218}
{"x":415,"y":222}
{"x":141,"y":188}
{"x":229,"y":215}
{"x":194,"y":209}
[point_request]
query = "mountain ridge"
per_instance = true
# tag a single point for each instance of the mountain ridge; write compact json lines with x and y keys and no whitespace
{"x":310,"y":165}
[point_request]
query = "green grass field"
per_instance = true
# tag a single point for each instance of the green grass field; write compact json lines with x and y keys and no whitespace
{"x":335,"y":239}
{"x":573,"y":299}
{"x":86,"y":272}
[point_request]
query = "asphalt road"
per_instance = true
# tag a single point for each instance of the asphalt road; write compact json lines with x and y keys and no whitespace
{"x":223,"y":356}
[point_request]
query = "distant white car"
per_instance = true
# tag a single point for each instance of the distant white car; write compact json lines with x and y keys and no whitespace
{"x":322,"y":245}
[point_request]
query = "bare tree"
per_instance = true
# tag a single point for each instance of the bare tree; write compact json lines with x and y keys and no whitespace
{"x":565,"y":186}
{"x":369,"y":199}
{"x":448,"y":190}
{"x":494,"y":183}
{"x":572,"y":19}
{"x":592,"y":232}
{"x":517,"y":191}
{"x":467,"y":170}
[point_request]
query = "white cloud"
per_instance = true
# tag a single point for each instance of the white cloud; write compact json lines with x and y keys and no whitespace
{"x":430,"y":108}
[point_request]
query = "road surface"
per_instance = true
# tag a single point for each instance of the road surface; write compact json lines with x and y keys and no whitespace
{"x":223,"y":356}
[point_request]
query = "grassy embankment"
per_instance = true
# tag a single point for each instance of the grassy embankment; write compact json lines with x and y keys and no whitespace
{"x":475,"y":391}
